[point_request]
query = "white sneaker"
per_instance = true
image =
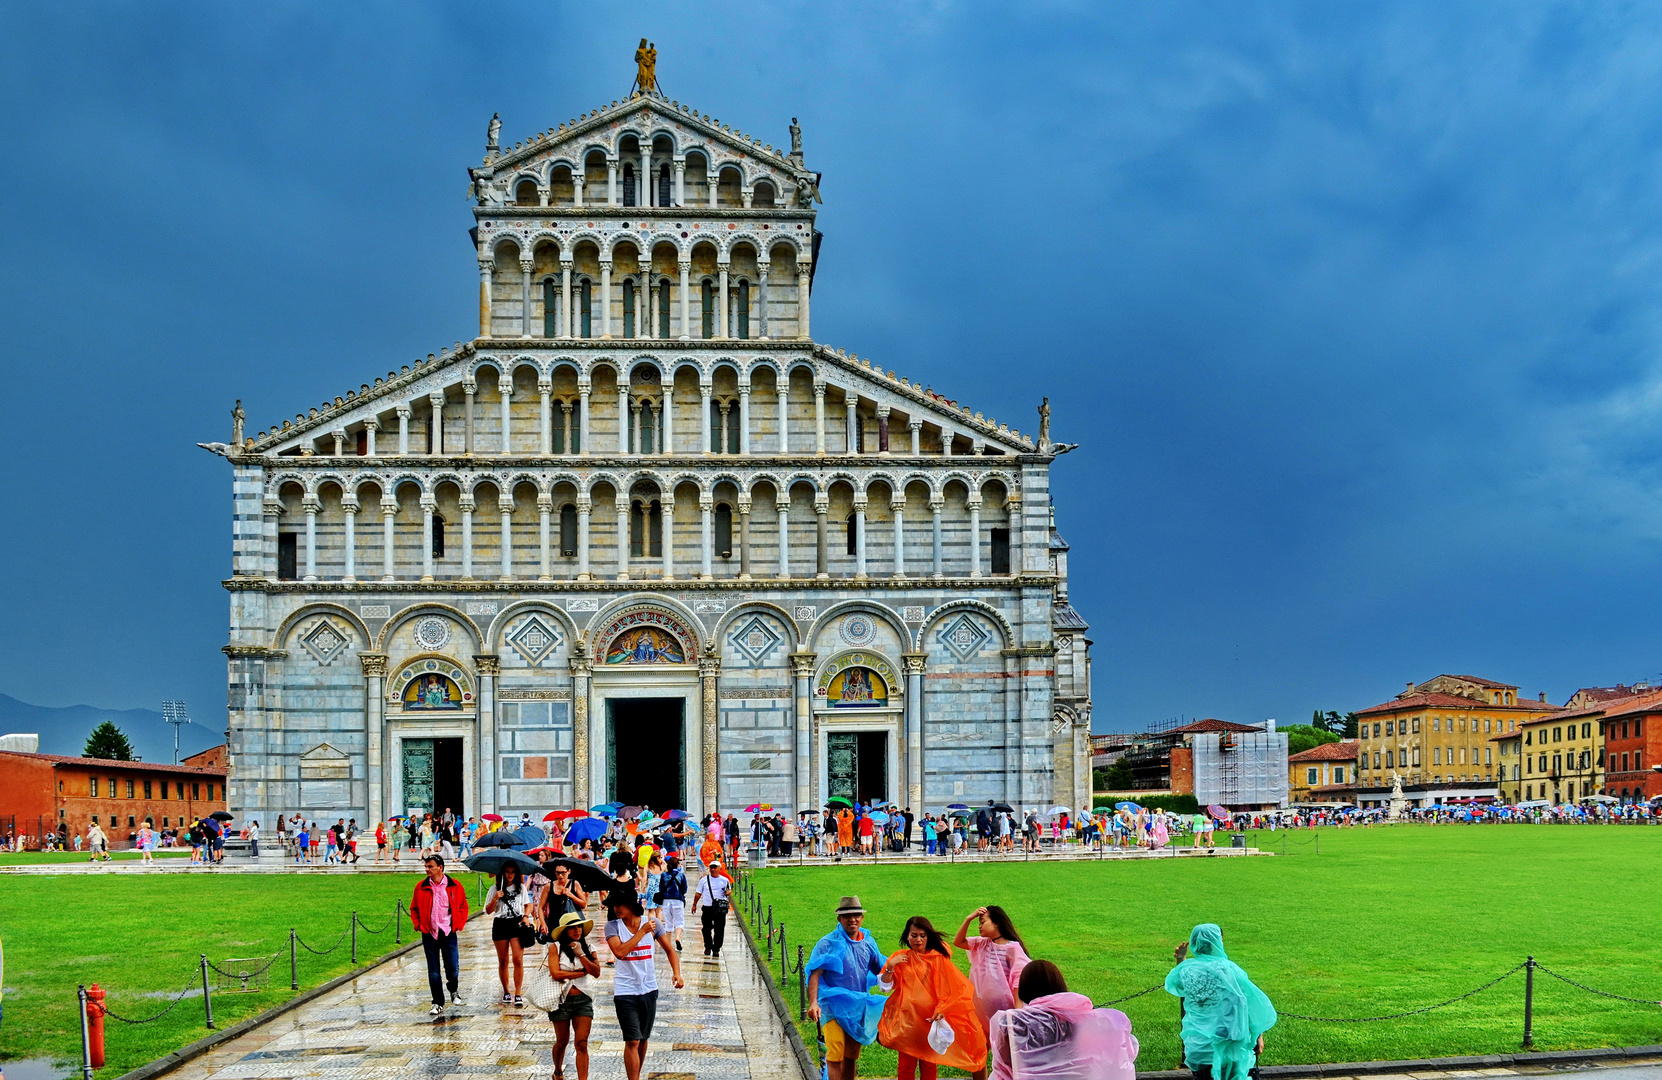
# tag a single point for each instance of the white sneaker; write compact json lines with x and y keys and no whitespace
{"x":435,"y":1010}
{"x":456,"y":999}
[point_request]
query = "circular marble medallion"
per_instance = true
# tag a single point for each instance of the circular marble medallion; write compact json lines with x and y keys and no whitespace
{"x":432,"y":632}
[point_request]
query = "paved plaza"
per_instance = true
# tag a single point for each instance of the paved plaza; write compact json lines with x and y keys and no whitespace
{"x":720,"y":1027}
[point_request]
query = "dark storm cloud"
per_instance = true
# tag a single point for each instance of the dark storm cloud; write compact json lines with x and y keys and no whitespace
{"x":1352,"y":307}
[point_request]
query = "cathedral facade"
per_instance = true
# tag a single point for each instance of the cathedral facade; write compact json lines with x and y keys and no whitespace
{"x":642,"y":538}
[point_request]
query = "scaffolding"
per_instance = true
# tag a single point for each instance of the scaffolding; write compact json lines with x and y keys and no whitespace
{"x":1240,"y":768}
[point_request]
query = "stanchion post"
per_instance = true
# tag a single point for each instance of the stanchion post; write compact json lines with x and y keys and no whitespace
{"x":784,"y":957}
{"x":86,"y":1035}
{"x":398,"y":922}
{"x":207,"y":999}
{"x":770,"y":931}
{"x":1529,"y":1004}
{"x":801,"y":986}
{"x":294,"y":963}
{"x":354,"y":939}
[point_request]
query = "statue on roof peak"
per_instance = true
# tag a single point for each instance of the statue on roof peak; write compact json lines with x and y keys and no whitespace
{"x":646,"y":67}
{"x":796,"y":141}
{"x":493,"y":132}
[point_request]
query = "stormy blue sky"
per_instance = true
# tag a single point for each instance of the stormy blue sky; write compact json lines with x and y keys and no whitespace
{"x":1354,"y":308}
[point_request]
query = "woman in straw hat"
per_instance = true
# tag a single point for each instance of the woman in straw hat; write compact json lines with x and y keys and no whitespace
{"x":575,"y":1014}
{"x":842,"y":971}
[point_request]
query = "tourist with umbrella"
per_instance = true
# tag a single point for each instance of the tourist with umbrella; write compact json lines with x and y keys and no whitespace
{"x":509,"y":902}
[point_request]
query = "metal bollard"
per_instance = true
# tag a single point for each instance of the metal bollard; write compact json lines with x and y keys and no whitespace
{"x":784,"y":957}
{"x":294,"y":965}
{"x":398,"y":922}
{"x":86,"y":1038}
{"x":801,"y":986}
{"x":354,"y":939}
{"x":207,"y":1000}
{"x":770,"y":931}
{"x":1529,"y":1004}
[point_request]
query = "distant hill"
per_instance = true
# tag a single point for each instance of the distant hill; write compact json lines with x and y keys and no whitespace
{"x":65,"y":730}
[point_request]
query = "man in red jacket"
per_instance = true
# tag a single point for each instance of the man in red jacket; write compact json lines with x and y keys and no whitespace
{"x":438,"y":910}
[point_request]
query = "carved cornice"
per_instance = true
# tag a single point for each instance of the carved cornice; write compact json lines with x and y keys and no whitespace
{"x":590,"y":211}
{"x":875,"y":587}
{"x":252,"y":652}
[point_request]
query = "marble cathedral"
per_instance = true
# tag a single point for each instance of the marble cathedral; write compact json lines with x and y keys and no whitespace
{"x":642,"y":537}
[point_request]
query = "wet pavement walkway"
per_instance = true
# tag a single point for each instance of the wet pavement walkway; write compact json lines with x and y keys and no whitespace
{"x":722,"y":1026}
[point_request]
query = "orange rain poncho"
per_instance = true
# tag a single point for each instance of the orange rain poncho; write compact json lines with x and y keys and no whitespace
{"x":845,"y":828}
{"x":926,"y":983}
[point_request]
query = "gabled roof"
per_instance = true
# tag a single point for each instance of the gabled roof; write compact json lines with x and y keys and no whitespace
{"x":1064,"y":617}
{"x":1647,"y":703}
{"x":1200,"y":727}
{"x":1344,"y":750}
{"x":1490,"y":683}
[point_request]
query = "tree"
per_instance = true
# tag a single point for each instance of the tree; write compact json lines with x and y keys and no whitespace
{"x":1120,"y":777}
{"x":108,"y":741}
{"x":1301,"y":737}
{"x":1344,"y":726}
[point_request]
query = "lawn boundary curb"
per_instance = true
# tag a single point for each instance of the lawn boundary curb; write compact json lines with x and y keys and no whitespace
{"x":203,"y":1045}
{"x":1603,"y":1055}
{"x":804,"y":1060}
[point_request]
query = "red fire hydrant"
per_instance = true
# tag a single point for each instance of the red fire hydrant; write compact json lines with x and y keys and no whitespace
{"x":95,"y":1024}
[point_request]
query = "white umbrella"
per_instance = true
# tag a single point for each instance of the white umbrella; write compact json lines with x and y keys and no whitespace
{"x":1054,"y":810}
{"x":1601,"y":798}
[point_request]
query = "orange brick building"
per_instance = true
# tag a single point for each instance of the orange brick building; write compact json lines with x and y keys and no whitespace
{"x":43,"y":793}
{"x":1633,"y":748}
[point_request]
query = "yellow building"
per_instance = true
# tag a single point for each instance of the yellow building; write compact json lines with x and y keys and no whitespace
{"x":1438,"y":736}
{"x":1563,"y":756}
{"x":1323,"y":774}
{"x":1509,"y":766}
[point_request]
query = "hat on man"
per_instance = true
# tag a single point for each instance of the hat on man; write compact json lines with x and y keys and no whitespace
{"x":571,"y":919}
{"x":849,"y":905}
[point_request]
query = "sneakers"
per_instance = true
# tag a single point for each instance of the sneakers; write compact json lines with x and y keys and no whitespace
{"x":435,"y":1010}
{"x":677,"y":946}
{"x":455,"y":998}
{"x":507,"y":998}
{"x":518,"y":1000}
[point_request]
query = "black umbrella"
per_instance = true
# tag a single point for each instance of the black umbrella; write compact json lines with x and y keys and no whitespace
{"x":220,"y":815}
{"x":499,"y":838}
{"x":1004,"y":808}
{"x":492,"y":862}
{"x":585,"y":873}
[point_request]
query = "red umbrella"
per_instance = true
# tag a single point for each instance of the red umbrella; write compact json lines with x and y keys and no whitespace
{"x":552,"y":815}
{"x":570,"y":815}
{"x":490,"y":817}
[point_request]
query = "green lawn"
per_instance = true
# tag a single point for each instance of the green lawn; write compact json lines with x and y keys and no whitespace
{"x":43,"y":858}
{"x":141,"y":934}
{"x":1383,"y":920}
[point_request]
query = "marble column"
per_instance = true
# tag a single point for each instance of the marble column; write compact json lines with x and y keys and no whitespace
{"x":680,"y":180}
{"x":669,"y":414}
{"x":802,"y":675}
{"x":723,"y":410}
{"x":783,"y":505}
{"x":489,"y":667}
{"x":762,"y":300}
{"x":744,"y":539}
{"x":545,"y":416}
{"x":975,"y":538}
{"x":375,"y":673}
{"x":821,"y":508}
{"x":819,"y":417}
{"x":427,"y":508}
{"x":582,"y":417}
{"x":669,"y":534}
{"x":784,"y":384}
{"x":860,"y":536}
{"x":704,"y":391}
{"x":349,"y":507}
{"x":485,"y":268}
{"x":580,"y":730}
{"x":583,"y":508}
{"x":389,"y":510}
{"x":272,"y":513}
{"x":802,"y":301}
{"x":605,"y":298}
{"x":545,"y":513}
{"x":340,"y":442}
{"x":436,"y":433}
{"x":935,"y":505}
{"x":721,"y":302}
{"x":914,"y":663}
{"x":403,"y":429}
{"x":897,"y":506}
{"x":744,"y":419}
{"x":371,"y":427}
{"x":525,"y":266}
{"x":469,"y":390}
{"x":629,"y":426}
{"x":566,"y":322}
{"x":686,"y":301}
{"x":646,"y":189}
{"x":505,"y":387}
{"x":578,"y":182}
{"x":916,"y":428}
{"x":706,"y":507}
{"x":467,"y":505}
{"x":505,"y":504}
{"x":621,"y":501}
{"x":565,"y":427}
{"x":611,"y":182}
{"x":311,"y":506}
{"x":709,"y":671}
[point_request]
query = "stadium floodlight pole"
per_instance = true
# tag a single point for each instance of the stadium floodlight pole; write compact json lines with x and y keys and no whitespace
{"x":173,"y":712}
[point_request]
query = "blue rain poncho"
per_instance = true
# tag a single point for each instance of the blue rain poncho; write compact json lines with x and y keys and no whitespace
{"x":848,"y":972}
{"x":1223,"y":1012}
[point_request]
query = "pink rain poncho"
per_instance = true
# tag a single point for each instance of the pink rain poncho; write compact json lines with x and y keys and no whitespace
{"x":995,"y":968}
{"x":1061,"y":1037}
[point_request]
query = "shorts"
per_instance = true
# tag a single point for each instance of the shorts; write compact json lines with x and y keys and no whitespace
{"x":836,"y":1043}
{"x":674,"y":915}
{"x":635,"y":1014}
{"x":576,"y":1004}
{"x":512,"y":930}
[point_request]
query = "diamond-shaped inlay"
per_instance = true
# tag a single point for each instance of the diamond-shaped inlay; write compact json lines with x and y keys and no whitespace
{"x":755,"y":639}
{"x":535,"y":639}
{"x":324,"y":642}
{"x":963,"y":636}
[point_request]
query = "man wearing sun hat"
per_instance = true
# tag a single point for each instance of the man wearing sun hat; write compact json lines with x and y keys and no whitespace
{"x":842,"y":971}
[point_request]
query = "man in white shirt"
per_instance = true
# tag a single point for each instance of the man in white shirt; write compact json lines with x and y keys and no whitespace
{"x":635,"y":978}
{"x":712,"y":892}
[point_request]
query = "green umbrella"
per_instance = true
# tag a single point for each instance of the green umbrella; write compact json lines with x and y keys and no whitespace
{"x":838,"y":800}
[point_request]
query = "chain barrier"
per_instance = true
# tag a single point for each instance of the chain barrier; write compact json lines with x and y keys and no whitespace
{"x":1138,"y":994}
{"x":1410,"y":1012}
{"x":384,"y":928}
{"x":243,"y":974}
{"x":113,"y":1015}
{"x":321,"y":952}
{"x":1592,"y":990}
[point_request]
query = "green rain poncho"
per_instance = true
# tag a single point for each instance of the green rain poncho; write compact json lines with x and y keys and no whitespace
{"x":1223,"y":1012}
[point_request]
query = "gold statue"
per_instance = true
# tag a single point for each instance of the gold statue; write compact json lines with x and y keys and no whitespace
{"x":646,"y":67}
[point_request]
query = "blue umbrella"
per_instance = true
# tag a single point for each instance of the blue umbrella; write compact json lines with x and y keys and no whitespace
{"x":530,"y":836}
{"x":956,"y":806}
{"x":608,"y":809}
{"x":586,"y":829}
{"x":1126,"y":806}
{"x":879,"y":817}
{"x":492,"y":862}
{"x":501,"y":838}
{"x":677,"y":815}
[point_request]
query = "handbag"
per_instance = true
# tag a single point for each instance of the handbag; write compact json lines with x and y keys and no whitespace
{"x":544,"y":991}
